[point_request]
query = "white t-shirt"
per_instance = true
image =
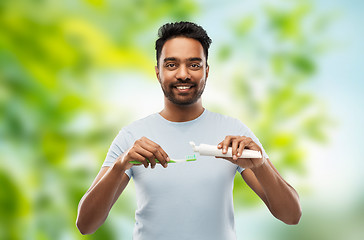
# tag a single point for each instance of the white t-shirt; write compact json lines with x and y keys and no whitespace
{"x":191,"y":200}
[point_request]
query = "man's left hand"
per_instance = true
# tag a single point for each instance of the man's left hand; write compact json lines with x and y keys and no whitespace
{"x":238,"y":144}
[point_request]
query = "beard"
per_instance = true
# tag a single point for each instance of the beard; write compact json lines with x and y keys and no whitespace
{"x":183,"y":99}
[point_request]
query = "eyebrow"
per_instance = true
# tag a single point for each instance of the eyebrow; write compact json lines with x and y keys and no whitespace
{"x":196,"y":59}
{"x":189,"y":59}
{"x":169,"y":59}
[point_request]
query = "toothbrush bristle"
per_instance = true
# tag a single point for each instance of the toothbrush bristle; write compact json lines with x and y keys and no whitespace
{"x":191,"y":157}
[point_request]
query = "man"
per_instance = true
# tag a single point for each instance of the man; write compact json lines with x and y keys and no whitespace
{"x":191,"y":200}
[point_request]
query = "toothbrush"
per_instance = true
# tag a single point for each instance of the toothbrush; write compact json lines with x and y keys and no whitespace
{"x":188,"y":158}
{"x":211,"y":150}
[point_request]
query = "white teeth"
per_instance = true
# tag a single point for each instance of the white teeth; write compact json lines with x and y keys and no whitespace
{"x":182,"y":87}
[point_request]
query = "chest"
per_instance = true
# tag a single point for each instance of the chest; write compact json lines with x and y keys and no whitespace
{"x":206,"y":176}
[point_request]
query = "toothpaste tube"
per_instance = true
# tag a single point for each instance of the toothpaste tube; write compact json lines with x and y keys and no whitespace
{"x":211,"y":150}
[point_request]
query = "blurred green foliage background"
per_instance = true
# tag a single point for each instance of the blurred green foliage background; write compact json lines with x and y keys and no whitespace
{"x":74,"y":72}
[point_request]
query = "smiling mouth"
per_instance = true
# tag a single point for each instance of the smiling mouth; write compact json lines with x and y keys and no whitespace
{"x":183,"y":87}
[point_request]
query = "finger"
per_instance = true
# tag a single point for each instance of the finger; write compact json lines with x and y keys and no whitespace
{"x":253,"y":146}
{"x":142,"y":146}
{"x":242,"y":145}
{"x":234,"y":147}
{"x":161,"y":155}
{"x":240,"y":149}
{"x":147,"y":155}
{"x":157,"y":151}
{"x":226,"y":143}
{"x":151,"y":160}
{"x":219,"y":146}
{"x":246,"y":142}
{"x":135,"y":156}
{"x":164,"y":156}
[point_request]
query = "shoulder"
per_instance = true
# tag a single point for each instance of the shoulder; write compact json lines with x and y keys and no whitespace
{"x":141,"y":123}
{"x":229,"y":123}
{"x":134,"y":129}
{"x":214,"y":116}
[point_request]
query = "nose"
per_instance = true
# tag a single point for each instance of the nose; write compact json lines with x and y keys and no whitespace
{"x":182,"y":73}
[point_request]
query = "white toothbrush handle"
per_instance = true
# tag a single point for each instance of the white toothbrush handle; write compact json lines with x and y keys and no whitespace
{"x":211,"y":150}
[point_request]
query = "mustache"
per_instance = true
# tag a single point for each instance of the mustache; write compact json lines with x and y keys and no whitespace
{"x":180,"y":81}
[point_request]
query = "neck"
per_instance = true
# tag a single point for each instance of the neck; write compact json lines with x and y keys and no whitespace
{"x":178,"y":113}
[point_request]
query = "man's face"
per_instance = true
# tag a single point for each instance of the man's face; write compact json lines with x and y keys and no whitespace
{"x":182,"y":70}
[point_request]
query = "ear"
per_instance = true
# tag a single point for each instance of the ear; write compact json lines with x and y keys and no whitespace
{"x":157,"y":72}
{"x":207,"y":70}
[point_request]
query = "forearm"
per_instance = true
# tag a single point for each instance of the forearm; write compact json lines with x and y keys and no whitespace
{"x":281,"y":198}
{"x":95,"y":205}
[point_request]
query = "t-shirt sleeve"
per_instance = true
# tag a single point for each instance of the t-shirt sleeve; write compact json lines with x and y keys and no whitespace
{"x":121,"y":143}
{"x":245,"y":131}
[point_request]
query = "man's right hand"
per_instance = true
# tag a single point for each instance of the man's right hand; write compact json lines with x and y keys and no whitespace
{"x":146,"y":152}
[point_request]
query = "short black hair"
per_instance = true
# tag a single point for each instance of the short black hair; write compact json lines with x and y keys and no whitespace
{"x":185,"y":29}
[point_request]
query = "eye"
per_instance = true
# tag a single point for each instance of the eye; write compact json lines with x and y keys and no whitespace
{"x":195,"y":65}
{"x":170,"y":65}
